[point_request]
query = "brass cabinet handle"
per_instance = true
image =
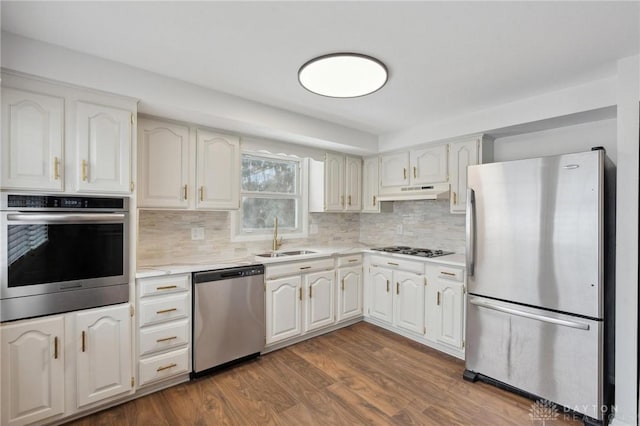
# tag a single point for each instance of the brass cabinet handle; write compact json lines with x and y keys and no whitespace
{"x":305,"y":267}
{"x":166,"y":367}
{"x":343,"y":284}
{"x":310,"y":292}
{"x":397,"y":288}
{"x":455,"y":199}
{"x":415,"y":172}
{"x":83,"y":342}
{"x":84,"y":170}
{"x":349,"y":199}
{"x":387,"y":286}
{"x":164,"y":311}
{"x":56,"y":168}
{"x":448,"y":273}
{"x":374,"y":200}
{"x":166,"y":287}
{"x":392,"y":264}
{"x":342,"y":200}
{"x":300,"y":293}
{"x":404,"y":170}
{"x":438,"y":299}
{"x":55,"y":347}
{"x":164,"y":339}
{"x":202,"y":193}
{"x":185,"y":193}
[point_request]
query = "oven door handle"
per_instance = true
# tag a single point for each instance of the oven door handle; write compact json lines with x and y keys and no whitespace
{"x":67,"y":217}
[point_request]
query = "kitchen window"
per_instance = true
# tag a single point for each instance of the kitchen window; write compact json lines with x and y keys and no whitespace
{"x":271,"y":186}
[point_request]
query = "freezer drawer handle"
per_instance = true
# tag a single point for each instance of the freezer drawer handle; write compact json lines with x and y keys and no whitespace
{"x":572,"y":324}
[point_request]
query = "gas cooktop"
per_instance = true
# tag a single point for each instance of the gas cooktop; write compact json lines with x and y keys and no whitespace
{"x":413,"y":251}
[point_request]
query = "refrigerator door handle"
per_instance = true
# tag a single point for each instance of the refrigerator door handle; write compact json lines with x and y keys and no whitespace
{"x":470,"y":231}
{"x":488,"y":305}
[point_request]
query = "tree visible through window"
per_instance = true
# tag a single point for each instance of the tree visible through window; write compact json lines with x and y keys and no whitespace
{"x":270,"y":188}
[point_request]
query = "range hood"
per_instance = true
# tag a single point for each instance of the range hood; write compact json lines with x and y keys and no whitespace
{"x":418,"y":192}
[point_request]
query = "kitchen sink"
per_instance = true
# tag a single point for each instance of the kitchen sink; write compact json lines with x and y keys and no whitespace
{"x":286,"y":253}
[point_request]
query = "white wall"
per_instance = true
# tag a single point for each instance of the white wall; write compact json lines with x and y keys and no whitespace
{"x":563,"y":140}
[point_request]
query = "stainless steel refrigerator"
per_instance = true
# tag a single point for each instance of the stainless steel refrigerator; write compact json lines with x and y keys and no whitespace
{"x":539,"y":262}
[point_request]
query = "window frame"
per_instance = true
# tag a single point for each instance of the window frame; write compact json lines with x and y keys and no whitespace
{"x":302,"y":219}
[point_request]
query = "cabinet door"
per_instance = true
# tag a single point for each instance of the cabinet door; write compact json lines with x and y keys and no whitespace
{"x":334,"y":183}
{"x":353,"y":184}
{"x":320,"y":300}
{"x":32,"y":370}
{"x":217,"y":171}
{"x":409,"y":301}
{"x":103,"y":361}
{"x":448,"y":310}
{"x":381,"y":298}
{"x":394,"y":169}
{"x":429,"y":165}
{"x":103,"y":137}
{"x":283,"y":306}
{"x":461,"y":155}
{"x":350,"y":292}
{"x":370,"y":185}
{"x":32,"y":140}
{"x":163,"y":165}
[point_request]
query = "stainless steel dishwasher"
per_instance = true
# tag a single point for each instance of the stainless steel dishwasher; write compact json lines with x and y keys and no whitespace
{"x":228,"y":316}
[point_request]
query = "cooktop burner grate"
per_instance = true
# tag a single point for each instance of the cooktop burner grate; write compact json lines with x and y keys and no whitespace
{"x":413,"y":251}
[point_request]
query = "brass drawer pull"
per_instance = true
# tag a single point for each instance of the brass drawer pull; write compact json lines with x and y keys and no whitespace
{"x":305,"y":267}
{"x":166,"y":287}
{"x":451,"y":274}
{"x":166,"y":367}
{"x":392,"y":264}
{"x":353,"y":260}
{"x":164,"y":339}
{"x":55,"y":347}
{"x":164,"y":311}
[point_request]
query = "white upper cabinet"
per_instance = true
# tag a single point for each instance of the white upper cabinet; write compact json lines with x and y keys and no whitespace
{"x":103,"y":148}
{"x":353,"y":184}
{"x":61,"y":138}
{"x":370,"y":185}
{"x":428,"y":165}
{"x":417,"y":167}
{"x":32,"y":140}
{"x":163,"y":165}
{"x":334,"y":182}
{"x":462,"y":154}
{"x":218,"y":171}
{"x":104,"y":354}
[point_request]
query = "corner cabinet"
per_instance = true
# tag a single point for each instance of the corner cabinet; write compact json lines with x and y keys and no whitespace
{"x":187,"y":168}
{"x":464,"y":153}
{"x":416,"y":167}
{"x":336,"y":183}
{"x":60,"y":138}
{"x":32,"y":372}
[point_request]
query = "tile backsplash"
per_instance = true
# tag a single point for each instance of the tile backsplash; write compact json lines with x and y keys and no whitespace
{"x":164,"y":237}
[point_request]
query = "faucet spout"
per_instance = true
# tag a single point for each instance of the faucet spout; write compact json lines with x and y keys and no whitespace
{"x":276,"y":244}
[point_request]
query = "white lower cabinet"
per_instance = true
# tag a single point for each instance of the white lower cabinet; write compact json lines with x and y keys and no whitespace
{"x":445,"y":305}
{"x":164,"y":327}
{"x":381,"y":298}
{"x":409,"y":301}
{"x":32,"y":370}
{"x":283,"y":308}
{"x":103,"y":360}
{"x":350,"y":292}
{"x":320,"y":300}
{"x":95,"y":345}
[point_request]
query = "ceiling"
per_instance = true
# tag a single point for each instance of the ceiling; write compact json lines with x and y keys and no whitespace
{"x":445,"y":58}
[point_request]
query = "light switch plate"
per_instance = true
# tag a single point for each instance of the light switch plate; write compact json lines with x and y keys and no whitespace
{"x":197,"y":233}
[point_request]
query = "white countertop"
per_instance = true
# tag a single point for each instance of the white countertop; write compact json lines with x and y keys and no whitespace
{"x":320,"y":252}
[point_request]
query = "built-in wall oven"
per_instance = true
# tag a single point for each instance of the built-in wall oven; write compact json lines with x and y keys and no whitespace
{"x":62,"y":253}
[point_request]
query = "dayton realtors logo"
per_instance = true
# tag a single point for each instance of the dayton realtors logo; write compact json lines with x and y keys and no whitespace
{"x":543,"y":411}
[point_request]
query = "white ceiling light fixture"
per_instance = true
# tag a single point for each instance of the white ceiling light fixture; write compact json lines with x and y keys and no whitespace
{"x":343,"y":75}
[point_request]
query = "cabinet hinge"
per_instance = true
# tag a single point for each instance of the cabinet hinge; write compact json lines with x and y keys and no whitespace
{"x":132,"y":310}
{"x":133,"y":382}
{"x":133,"y":118}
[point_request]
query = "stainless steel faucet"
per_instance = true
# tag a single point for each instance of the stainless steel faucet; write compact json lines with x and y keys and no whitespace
{"x":275,"y":244}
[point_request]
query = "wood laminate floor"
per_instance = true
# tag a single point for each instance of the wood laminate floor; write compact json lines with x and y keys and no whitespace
{"x":361,"y":374}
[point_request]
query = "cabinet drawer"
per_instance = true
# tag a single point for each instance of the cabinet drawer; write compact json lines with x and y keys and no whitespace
{"x":277,"y":271}
{"x":164,"y":336}
{"x":449,"y":273}
{"x":396,"y":263}
{"x":163,"y":285}
{"x":351,"y":260}
{"x":161,"y":309}
{"x":163,"y":366}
